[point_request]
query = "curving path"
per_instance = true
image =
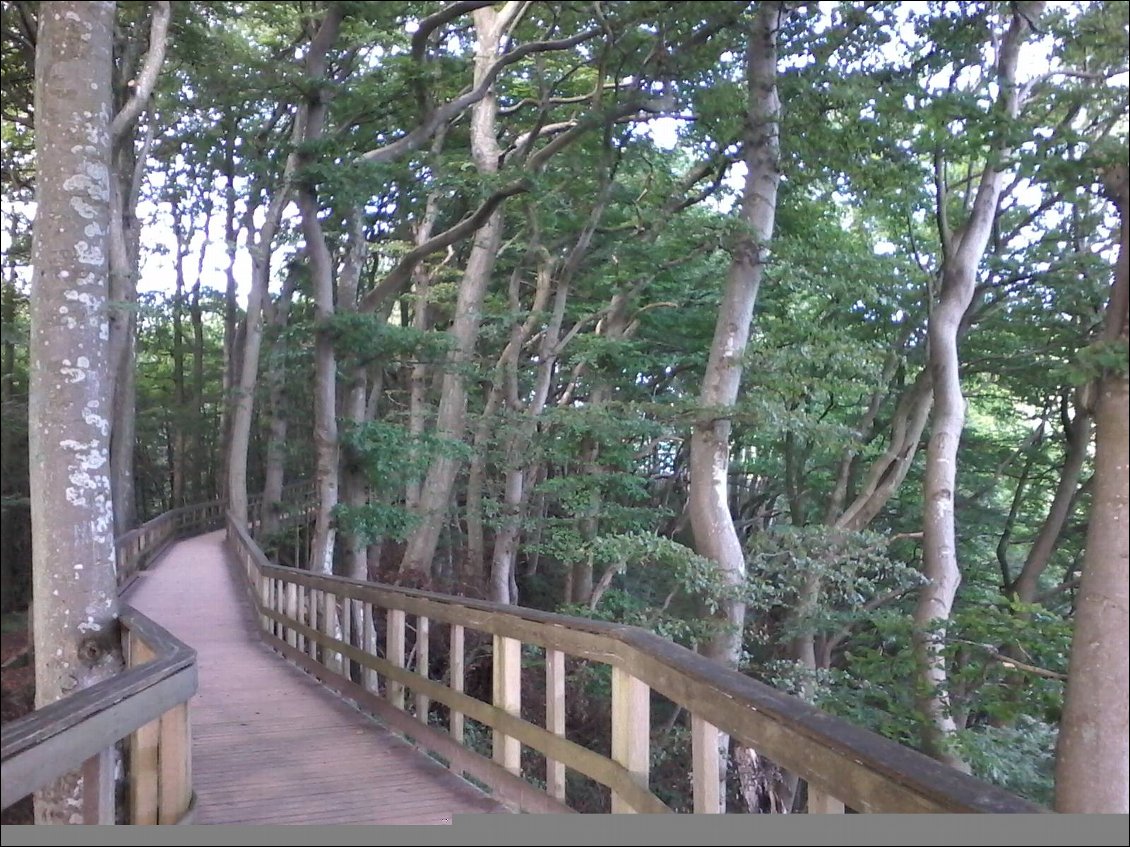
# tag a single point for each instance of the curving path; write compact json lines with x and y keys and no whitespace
{"x":270,"y":745}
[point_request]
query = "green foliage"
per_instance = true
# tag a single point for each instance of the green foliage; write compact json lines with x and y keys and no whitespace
{"x":655,"y":583}
{"x":1102,"y":358}
{"x":389,"y":455}
{"x":851,"y":569}
{"x":366,"y":338}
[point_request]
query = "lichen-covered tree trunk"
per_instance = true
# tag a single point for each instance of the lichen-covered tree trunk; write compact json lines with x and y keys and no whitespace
{"x":715,"y":535}
{"x":1093,"y":754}
{"x":962,"y":254}
{"x":452,"y":415}
{"x":74,"y":615}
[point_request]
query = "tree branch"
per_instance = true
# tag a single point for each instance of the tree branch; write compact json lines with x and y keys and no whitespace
{"x":150,"y":69}
{"x":449,"y":110}
{"x":400,"y":275}
{"x":1013,"y":663}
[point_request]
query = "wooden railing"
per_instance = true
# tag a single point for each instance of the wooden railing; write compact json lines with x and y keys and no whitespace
{"x":147,"y":703}
{"x":329,"y":626}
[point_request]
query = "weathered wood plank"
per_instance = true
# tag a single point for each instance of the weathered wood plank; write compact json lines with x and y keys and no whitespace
{"x":423,"y":639}
{"x":98,"y":789}
{"x":555,"y":719}
{"x":394,"y":647}
{"x":706,"y":767}
{"x":458,"y":672}
{"x":175,"y":765}
{"x":371,"y":680}
{"x":504,"y":784}
{"x":820,"y":803}
{"x":631,"y":732}
{"x":508,"y":698}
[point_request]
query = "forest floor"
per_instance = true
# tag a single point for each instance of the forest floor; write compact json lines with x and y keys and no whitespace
{"x":17,"y":692}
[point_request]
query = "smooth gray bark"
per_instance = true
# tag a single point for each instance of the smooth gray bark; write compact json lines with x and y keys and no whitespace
{"x":451,"y":418}
{"x":962,"y":254}
{"x":1093,"y":753}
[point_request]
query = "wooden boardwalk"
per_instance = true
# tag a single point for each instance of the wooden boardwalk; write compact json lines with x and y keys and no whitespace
{"x":271,"y":745}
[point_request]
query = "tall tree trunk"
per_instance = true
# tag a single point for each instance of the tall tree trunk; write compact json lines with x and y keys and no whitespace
{"x":451,"y":417}
{"x":355,"y":406}
{"x":74,"y":616}
{"x":179,"y":463}
{"x":714,"y":532}
{"x":1093,"y":755}
{"x":715,"y":535}
{"x":515,"y":488}
{"x":231,"y":356}
{"x":243,"y":402}
{"x":1077,"y":434}
{"x":473,"y":562}
{"x":322,"y":275}
{"x":580,"y":582}
{"x":127,"y":170}
{"x":274,"y":473}
{"x":962,"y":254}
{"x":422,"y":322}
{"x":202,"y":450}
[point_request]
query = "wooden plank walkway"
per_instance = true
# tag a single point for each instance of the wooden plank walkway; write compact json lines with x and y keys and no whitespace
{"x":271,"y":745}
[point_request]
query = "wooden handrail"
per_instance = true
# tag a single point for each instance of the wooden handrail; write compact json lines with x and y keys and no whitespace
{"x":147,"y":703}
{"x":62,"y":736}
{"x":304,"y":615}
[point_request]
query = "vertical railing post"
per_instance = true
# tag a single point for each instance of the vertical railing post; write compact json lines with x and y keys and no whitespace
{"x":264,"y":594}
{"x":821,"y":803}
{"x":707,"y":767}
{"x":458,"y":671}
{"x":300,"y":616}
{"x":346,"y":635}
{"x":422,"y":662}
{"x":291,"y":613}
{"x":508,"y":697}
{"x":395,"y":649}
{"x":175,"y":763}
{"x":631,"y":730}
{"x":331,"y":658}
{"x":555,"y":719}
{"x":98,"y":789}
{"x":314,"y":598}
{"x":144,"y":759}
{"x":370,"y":679}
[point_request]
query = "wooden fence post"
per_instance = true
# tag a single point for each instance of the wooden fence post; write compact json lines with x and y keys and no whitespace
{"x":707,"y":767}
{"x":555,"y":719}
{"x":631,"y":730}
{"x":395,"y":650}
{"x":508,"y":697}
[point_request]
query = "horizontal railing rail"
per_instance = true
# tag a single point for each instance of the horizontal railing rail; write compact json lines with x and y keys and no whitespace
{"x":327,"y":624}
